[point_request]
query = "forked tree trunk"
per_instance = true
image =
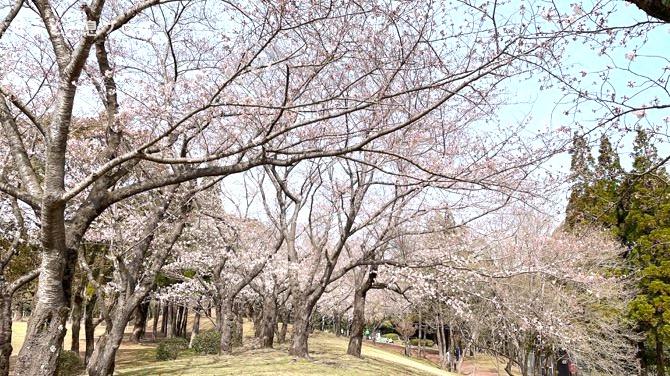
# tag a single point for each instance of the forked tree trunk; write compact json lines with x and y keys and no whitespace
{"x":46,"y":328}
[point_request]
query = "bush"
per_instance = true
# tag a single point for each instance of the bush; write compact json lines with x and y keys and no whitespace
{"x":70,"y":364}
{"x":169,"y":349}
{"x":424,"y":342}
{"x":393,"y":336}
{"x":207,"y":343}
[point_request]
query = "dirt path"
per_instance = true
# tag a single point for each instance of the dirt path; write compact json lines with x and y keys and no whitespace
{"x":432,"y":355}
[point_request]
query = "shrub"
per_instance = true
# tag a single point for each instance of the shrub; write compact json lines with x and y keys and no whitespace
{"x":393,"y":336}
{"x":424,"y":342}
{"x":70,"y":364}
{"x":207,"y":343}
{"x":169,"y":349}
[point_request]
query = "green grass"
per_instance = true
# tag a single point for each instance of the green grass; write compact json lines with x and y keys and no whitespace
{"x":327,"y":353}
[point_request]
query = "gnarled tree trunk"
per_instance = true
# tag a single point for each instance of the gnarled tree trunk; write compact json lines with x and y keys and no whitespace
{"x":46,"y":328}
{"x":298,"y":346}
{"x":269,"y":320}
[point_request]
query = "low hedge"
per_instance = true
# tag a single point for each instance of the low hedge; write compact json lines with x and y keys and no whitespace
{"x":393,"y":336}
{"x":207,"y":343}
{"x":169,"y":349}
{"x":424,"y":342}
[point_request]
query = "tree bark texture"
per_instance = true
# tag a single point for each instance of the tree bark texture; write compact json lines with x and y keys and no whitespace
{"x":46,"y":328}
{"x":227,"y":323}
{"x":269,"y":321}
{"x":357,"y":324}
{"x":5,"y":333}
{"x":298,"y":346}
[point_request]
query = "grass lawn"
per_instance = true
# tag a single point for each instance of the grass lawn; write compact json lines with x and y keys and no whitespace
{"x":327,"y":352}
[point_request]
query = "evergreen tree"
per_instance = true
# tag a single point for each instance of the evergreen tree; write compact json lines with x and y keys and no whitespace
{"x":581,"y":174}
{"x":607,"y":209}
{"x":647,"y":231}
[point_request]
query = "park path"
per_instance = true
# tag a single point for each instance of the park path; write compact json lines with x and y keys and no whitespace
{"x":433,"y":356}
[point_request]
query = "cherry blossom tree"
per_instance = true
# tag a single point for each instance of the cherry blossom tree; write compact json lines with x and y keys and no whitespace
{"x":177,"y":91}
{"x":137,"y":258}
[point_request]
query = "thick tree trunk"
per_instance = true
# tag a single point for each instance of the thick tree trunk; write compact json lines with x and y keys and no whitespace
{"x":357,"y":324}
{"x":46,"y":328}
{"x":196,"y":328}
{"x":89,"y":328}
{"x":102,"y":360}
{"x":77,"y":313}
{"x":227,"y":322}
{"x":140,"y":325}
{"x":298,"y":346}
{"x":269,"y":321}
{"x":5,"y":332}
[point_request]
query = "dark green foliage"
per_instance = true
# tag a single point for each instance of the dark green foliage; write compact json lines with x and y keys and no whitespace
{"x":635,"y":207}
{"x":595,"y":197}
{"x":424,"y":342}
{"x":69,"y":364}
{"x":580,"y":175}
{"x":207,"y":343}
{"x":169,"y":349}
